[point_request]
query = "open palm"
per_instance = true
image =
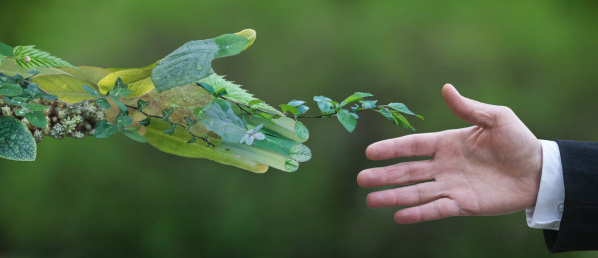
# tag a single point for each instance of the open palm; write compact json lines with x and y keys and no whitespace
{"x":490,"y":168}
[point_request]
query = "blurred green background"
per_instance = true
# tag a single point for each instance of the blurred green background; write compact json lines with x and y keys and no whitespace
{"x":115,"y":197}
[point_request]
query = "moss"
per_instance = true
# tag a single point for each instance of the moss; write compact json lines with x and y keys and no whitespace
{"x":64,"y":120}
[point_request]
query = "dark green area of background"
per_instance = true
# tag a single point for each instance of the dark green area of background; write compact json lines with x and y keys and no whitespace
{"x":115,"y":197}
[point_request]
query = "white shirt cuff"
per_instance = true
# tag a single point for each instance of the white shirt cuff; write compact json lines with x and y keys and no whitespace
{"x":549,"y":207}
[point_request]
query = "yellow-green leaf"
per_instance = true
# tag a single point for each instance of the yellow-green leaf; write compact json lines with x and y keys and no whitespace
{"x":88,"y":73}
{"x":67,"y":88}
{"x":177,"y":145}
{"x":138,"y":80}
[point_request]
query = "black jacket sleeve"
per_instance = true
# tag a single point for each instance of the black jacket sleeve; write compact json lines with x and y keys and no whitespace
{"x":579,"y":225}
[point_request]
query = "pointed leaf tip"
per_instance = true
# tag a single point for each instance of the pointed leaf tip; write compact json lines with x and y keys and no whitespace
{"x":250,"y":34}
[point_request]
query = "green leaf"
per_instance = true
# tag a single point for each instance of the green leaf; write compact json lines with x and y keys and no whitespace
{"x":119,"y":84}
{"x":192,"y":61}
{"x":166,"y":112}
{"x":37,"y":118}
{"x":10,"y":90}
{"x":91,"y":91}
{"x":33,"y":91}
{"x":67,"y":88}
{"x":142,"y":104}
{"x":255,"y":102}
{"x":365,"y":104}
{"x":403,"y":109}
{"x":302,"y":110}
{"x":221,"y":93}
{"x":16,"y":142}
{"x":301,"y":130}
{"x":138,"y":81}
{"x":177,"y":144}
{"x":36,"y":107}
{"x":237,"y":93}
{"x":346,"y":119}
{"x":355,"y":97}
{"x":123,"y":120}
{"x":103,"y":103}
{"x":230,"y":45}
{"x":120,"y":92}
{"x":104,"y":129}
{"x":28,"y":57}
{"x":120,"y":105}
{"x":134,"y":136}
{"x":396,"y":118}
{"x":388,"y":115}
{"x":296,"y":103}
{"x":402,"y":121}
{"x":170,"y":130}
{"x":189,"y":121}
{"x":207,"y":87}
{"x":22,"y":111}
{"x":324,"y":104}
{"x":193,"y":140}
{"x":291,"y":165}
{"x":87,"y":73}
{"x":219,"y":118}
{"x":289,"y":108}
{"x":145,"y":122}
{"x":17,"y":101}
{"x":6,"y":50}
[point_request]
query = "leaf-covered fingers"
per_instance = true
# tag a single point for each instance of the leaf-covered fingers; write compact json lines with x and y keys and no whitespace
{"x":409,"y":195}
{"x":398,"y":174}
{"x":407,"y":146}
{"x":438,"y":209}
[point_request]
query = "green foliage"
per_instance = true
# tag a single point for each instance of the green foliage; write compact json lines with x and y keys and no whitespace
{"x":218,"y":117}
{"x":347,"y":119}
{"x":66,"y":87}
{"x":16,"y":142}
{"x":11,"y":90}
{"x":138,"y":81}
{"x":178,"y":144}
{"x":355,"y":97}
{"x":325,"y":104}
{"x":37,"y":118}
{"x":236,"y":93}
{"x":192,"y":61}
{"x":230,"y":122}
{"x":301,"y":130}
{"x":27,"y":57}
{"x":105,"y":129}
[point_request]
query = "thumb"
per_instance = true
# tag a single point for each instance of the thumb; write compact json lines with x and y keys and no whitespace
{"x":473,"y":112}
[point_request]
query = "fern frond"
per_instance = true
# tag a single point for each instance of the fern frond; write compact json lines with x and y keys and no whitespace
{"x":235,"y":92}
{"x":27,"y":57}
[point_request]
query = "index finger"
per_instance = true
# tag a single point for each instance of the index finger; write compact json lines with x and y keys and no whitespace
{"x":407,"y":146}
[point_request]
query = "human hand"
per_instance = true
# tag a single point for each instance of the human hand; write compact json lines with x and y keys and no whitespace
{"x":490,"y":168}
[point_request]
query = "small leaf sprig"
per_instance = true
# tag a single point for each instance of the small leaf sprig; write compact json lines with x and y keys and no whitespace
{"x":21,"y":92}
{"x":297,"y":109}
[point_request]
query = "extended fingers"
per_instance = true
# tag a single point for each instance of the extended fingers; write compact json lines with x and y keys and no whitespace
{"x":409,"y":195}
{"x":407,"y":146}
{"x":438,"y":209}
{"x":398,"y":174}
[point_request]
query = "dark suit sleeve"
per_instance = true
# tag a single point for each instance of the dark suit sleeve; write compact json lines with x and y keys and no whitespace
{"x":579,"y":224}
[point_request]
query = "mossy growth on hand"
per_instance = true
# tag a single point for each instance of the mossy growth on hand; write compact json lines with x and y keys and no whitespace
{"x":178,"y":105}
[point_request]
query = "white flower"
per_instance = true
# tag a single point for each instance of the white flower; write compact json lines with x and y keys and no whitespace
{"x":252,"y":135}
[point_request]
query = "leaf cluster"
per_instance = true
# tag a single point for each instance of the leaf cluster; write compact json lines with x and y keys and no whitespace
{"x":19,"y":91}
{"x":347,"y":113}
{"x":122,"y":122}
